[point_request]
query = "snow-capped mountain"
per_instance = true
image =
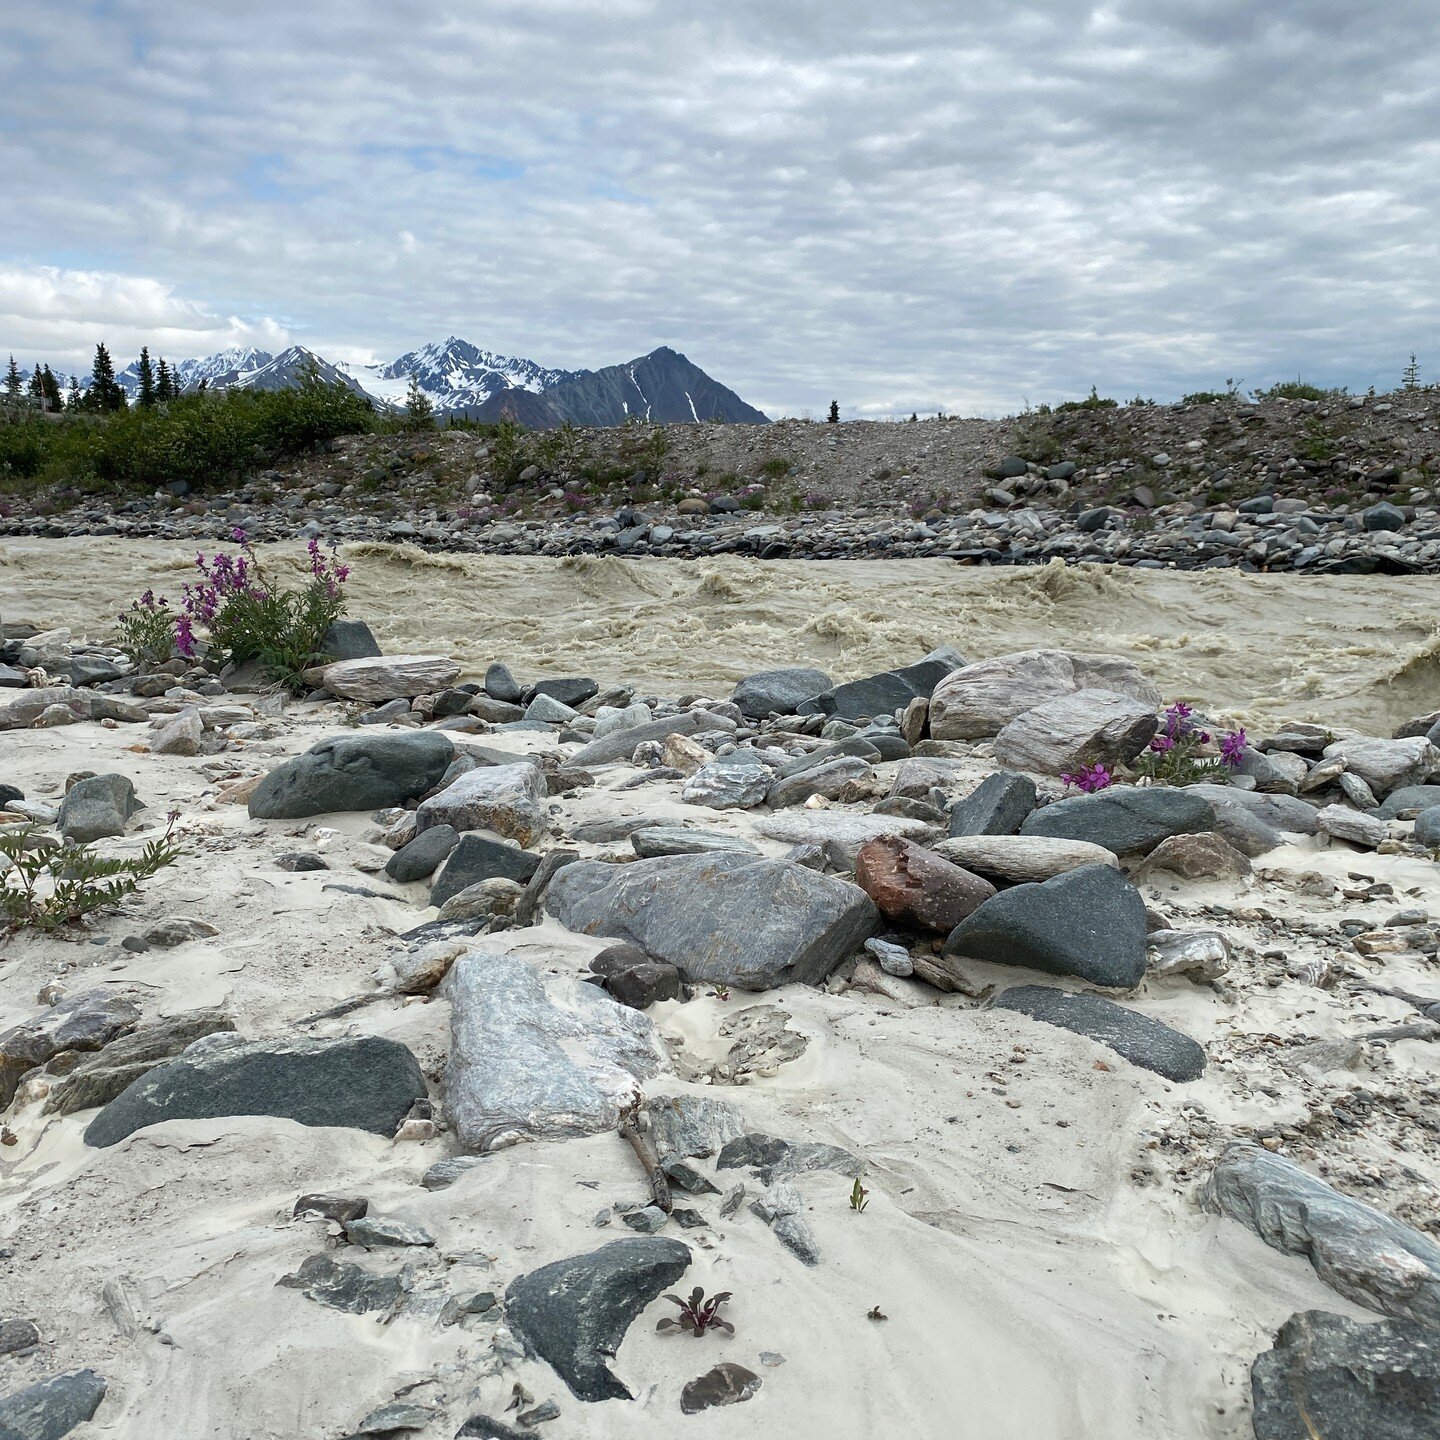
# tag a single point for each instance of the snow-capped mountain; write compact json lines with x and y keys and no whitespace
{"x":455,"y":374}
{"x":462,"y":379}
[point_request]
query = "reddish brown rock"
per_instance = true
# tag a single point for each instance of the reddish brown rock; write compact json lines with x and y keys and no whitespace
{"x":914,"y":886}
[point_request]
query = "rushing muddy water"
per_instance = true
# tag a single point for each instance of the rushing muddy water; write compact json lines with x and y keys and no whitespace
{"x":1347,"y":650}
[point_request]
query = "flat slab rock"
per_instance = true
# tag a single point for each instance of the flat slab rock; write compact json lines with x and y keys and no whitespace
{"x":1022,"y":857}
{"x":1141,"y":1040}
{"x":1355,"y":1380}
{"x":368,"y":1083}
{"x":914,"y":886}
{"x":837,"y":830}
{"x":1367,"y":1256}
{"x":1089,"y":727}
{"x":1088,"y":923}
{"x":385,"y":677}
{"x":533,"y":1057}
{"x":85,"y":1022}
{"x":981,"y":699}
{"x":729,"y":919}
{"x":51,"y":1408}
{"x":1128,"y":819}
{"x":574,"y":1313}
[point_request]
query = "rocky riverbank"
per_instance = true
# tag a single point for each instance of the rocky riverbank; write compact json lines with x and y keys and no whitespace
{"x":1336,"y":486}
{"x":486,"y":1006}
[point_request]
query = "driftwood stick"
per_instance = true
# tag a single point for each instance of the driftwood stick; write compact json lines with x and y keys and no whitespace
{"x":631,"y":1132}
{"x":529,"y":902}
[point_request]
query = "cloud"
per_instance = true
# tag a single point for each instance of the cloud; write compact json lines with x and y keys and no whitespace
{"x":902,"y":206}
{"x":57,"y":316}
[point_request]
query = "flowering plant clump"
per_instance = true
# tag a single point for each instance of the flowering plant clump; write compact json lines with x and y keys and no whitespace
{"x":243,"y":613}
{"x":147,"y":630}
{"x":1178,"y":755}
{"x":1089,"y":779}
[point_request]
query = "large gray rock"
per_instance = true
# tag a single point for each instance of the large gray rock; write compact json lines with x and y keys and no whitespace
{"x":1128,"y":819}
{"x":98,"y":807}
{"x":180,"y":735}
{"x":622,"y":744}
{"x":51,"y":1408}
{"x":659,"y":840}
{"x":1090,"y":727}
{"x":349,"y":640}
{"x":729,"y":919}
{"x":574,"y":1313}
{"x":1367,"y":1256}
{"x":1408,"y":801}
{"x":997,"y":806}
{"x":736,"y":782}
{"x":353,"y":772}
{"x":828,"y":779}
{"x":504,"y":798}
{"x":83,"y":1022}
{"x":881,"y":694}
{"x":421,"y":856}
{"x":28,"y":706}
{"x":534,"y":1058}
{"x":980,"y":700}
{"x":385,"y":677}
{"x":1343,"y":1379}
{"x":839,"y":832}
{"x":1386,"y":765}
{"x":477,"y":858}
{"x":1089,"y":923}
{"x":366,"y":1084}
{"x":1142,"y":1040}
{"x":779,"y":692}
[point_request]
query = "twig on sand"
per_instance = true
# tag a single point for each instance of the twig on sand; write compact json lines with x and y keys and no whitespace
{"x":631,"y":1132}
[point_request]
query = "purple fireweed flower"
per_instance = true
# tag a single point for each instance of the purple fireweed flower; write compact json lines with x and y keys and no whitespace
{"x":238,"y":535}
{"x":1232,"y":748}
{"x":1089,"y":778}
{"x":1161,"y":743}
{"x":185,"y":637}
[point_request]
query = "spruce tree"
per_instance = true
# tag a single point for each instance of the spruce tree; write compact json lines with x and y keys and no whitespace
{"x":50,"y":387}
{"x":834,"y":416}
{"x":418,"y":409}
{"x":14,"y":383}
{"x":37,"y":386}
{"x":105,"y":392}
{"x":74,"y":400}
{"x":163,"y":385}
{"x":147,"y":396}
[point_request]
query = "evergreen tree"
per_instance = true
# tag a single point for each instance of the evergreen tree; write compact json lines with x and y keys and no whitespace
{"x":418,"y":409}
{"x":50,"y":386}
{"x":37,"y":386}
{"x":834,"y":416}
{"x":74,"y":400}
{"x":14,"y":384}
{"x":147,"y":395}
{"x":105,"y":392}
{"x":164,"y":385}
{"x":1410,"y":380}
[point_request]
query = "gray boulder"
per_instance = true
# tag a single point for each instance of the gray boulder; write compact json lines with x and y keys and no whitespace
{"x":501,"y":685}
{"x":1427,"y":827}
{"x":1138,"y":1038}
{"x":730,"y":919}
{"x":736,"y":782}
{"x":51,"y":1408}
{"x":881,"y":694}
{"x":779,"y":692}
{"x":349,"y":640}
{"x":477,"y":858}
{"x":997,"y":806}
{"x":1345,"y":1379}
{"x":353,"y":772}
{"x":503,"y":798}
{"x":574,"y":1313}
{"x":534,"y":1058}
{"x":657,"y":840}
{"x":1088,"y":922}
{"x":1367,"y":1256}
{"x":1386,"y":765}
{"x":385,"y":677}
{"x":1128,"y":819}
{"x":422,"y":856}
{"x":1408,"y":801}
{"x":1089,"y":727}
{"x":98,"y":807}
{"x":980,"y":700}
{"x":827,"y":779}
{"x":366,"y":1084}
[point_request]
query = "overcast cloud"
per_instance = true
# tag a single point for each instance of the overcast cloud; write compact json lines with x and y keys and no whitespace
{"x":911,"y":204}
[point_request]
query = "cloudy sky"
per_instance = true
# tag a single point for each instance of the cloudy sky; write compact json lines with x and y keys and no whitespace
{"x":910,"y":204}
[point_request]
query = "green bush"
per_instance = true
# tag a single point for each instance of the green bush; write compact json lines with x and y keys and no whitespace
{"x":1296,"y":389}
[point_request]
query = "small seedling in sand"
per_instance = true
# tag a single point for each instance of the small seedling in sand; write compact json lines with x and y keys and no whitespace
{"x":697,"y":1314}
{"x":720,"y":992}
{"x":859,"y":1195}
{"x":876,"y":1314}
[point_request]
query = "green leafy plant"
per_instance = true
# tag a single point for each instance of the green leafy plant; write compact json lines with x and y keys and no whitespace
{"x":146,"y":631}
{"x":697,"y":1314}
{"x":859,"y":1196}
{"x":49,"y":887}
